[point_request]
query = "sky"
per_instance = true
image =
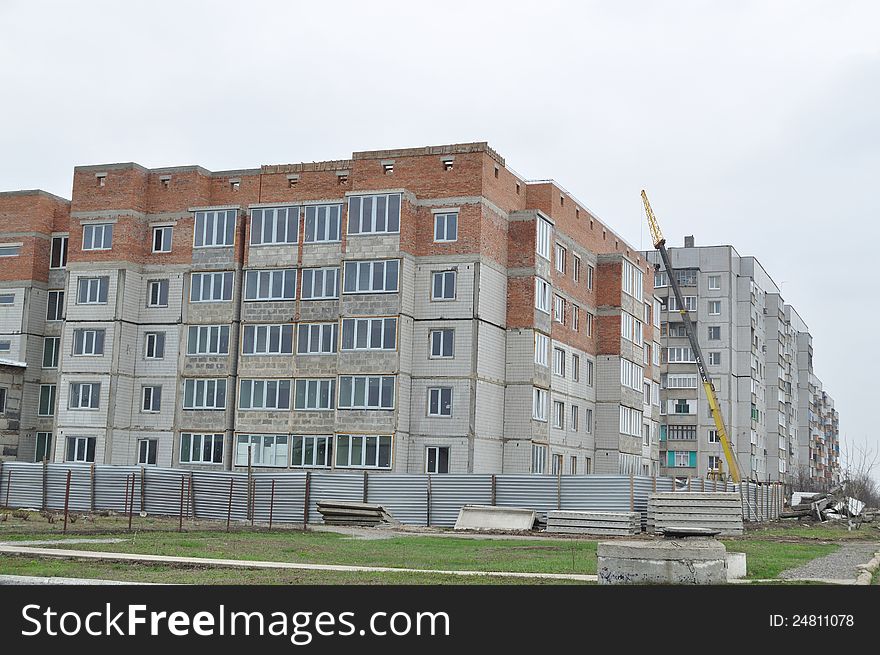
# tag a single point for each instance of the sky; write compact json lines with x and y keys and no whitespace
{"x":755,"y":124}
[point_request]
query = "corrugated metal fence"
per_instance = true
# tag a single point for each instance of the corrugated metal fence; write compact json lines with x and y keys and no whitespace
{"x":292,"y":497}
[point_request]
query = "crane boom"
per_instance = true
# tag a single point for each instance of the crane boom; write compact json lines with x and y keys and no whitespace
{"x":660,"y":244}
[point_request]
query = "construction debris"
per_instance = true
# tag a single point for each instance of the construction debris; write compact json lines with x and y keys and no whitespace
{"x":833,"y":505}
{"x":721,"y":511}
{"x":489,"y":517}
{"x":340,"y":512}
{"x":594,"y":523}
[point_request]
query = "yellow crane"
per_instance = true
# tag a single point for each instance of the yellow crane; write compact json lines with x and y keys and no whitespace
{"x":660,"y":244}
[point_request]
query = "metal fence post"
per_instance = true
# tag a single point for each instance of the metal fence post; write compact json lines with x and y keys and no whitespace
{"x":229,"y":509}
{"x":45,"y":502}
{"x":143,"y":488}
{"x":127,"y":486}
{"x":180,"y":517}
{"x":131,"y":503}
{"x":494,"y":483}
{"x":8,"y":486}
{"x":307,"y":499}
{"x":428,"y":504}
{"x":66,"y":499}
{"x":271,"y":503}
{"x":92,"y":473}
{"x":632,"y":493}
{"x":366,"y":493}
{"x":559,"y":487}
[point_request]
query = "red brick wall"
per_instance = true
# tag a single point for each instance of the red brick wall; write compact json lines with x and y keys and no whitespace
{"x":30,"y":212}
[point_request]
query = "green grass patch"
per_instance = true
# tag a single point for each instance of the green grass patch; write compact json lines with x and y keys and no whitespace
{"x":767,"y":559}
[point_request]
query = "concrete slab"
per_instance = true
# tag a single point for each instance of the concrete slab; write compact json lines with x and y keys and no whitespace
{"x":690,"y":561}
{"x":736,"y":566}
{"x":487,"y":517}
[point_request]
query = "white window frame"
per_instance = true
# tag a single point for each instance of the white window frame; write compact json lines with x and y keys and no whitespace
{"x":442,"y":222}
{"x":542,"y":295}
{"x":79,"y":400}
{"x":576,"y":267}
{"x":317,"y":394}
{"x":354,"y":384}
{"x":45,"y":447}
{"x":539,"y":459}
{"x":313,"y":440}
{"x":690,"y":303}
{"x":558,"y":414}
{"x":50,"y":394}
{"x":435,"y":470}
{"x":197,"y":447}
{"x":91,"y":342}
{"x":682,"y":459}
{"x":151,"y":398}
{"x":440,"y":401}
{"x":216,"y":217}
{"x":81,"y":447}
{"x":363,"y":330}
{"x":437,"y":342}
{"x":208,"y":340}
{"x":558,"y":362}
{"x":591,"y":274}
{"x":714,"y":283}
{"x":307,"y":285}
{"x":381,"y":442}
{"x":267,"y":332}
{"x":165,"y":234}
{"x":543,"y":237}
{"x":542,"y":349}
{"x":712,"y":436}
{"x":278,"y":220}
{"x":273,"y":394}
{"x":146,"y":448}
{"x":681,"y":355}
{"x":254,"y":279}
{"x":54,"y":350}
{"x":93,"y":287}
{"x":155,"y":342}
{"x":328,"y":231}
{"x":225,"y":280}
{"x":713,"y":330}
{"x":560,"y":253}
{"x":268,"y":450}
{"x":358,"y":220}
{"x":539,"y":404}
{"x":206,"y":394}
{"x":353,"y":268}
{"x":62,"y":252}
{"x":714,"y":358}
{"x":714,"y":305}
{"x":59,"y":305}
{"x":154,"y":299}
{"x":559,"y":309}
{"x":322,"y":335}
{"x":448,"y":284}
{"x":92,"y":235}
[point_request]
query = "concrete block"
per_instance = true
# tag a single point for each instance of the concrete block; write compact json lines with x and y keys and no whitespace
{"x":736,"y":566}
{"x":486,"y":517}
{"x":686,"y":561}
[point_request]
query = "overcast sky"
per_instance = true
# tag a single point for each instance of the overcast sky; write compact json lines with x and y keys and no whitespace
{"x":755,"y":124}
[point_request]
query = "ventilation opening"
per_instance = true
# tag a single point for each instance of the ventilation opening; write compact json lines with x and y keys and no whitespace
{"x":292,"y":180}
{"x":388,"y":167}
{"x":577,"y":212}
{"x":562,"y":201}
{"x":235,"y":185}
{"x":496,"y":172}
{"x":165,"y":181}
{"x":100,"y":179}
{"x":342,"y":177}
{"x":517,"y":188}
{"x":447,"y":163}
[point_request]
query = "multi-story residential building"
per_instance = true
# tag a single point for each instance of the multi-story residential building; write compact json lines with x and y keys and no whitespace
{"x":759,"y":354}
{"x":408,"y":310}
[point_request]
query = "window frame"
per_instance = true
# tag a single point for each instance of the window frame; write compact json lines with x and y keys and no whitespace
{"x":89,"y":446}
{"x":282,"y":402}
{"x":47,"y":446}
{"x":443,"y":338}
{"x":444,"y":216}
{"x":374,"y":197}
{"x":315,"y":209}
{"x":165,"y":240}
{"x":203,"y":232}
{"x":100,"y":281}
{"x":321,"y":328}
{"x":444,"y":285}
{"x":93,"y":396}
{"x":364,"y":448}
{"x":56,"y":352}
{"x":204,"y":395}
{"x":311,"y":271}
{"x":208,"y":339}
{"x":154,"y":391}
{"x":227,"y":285}
{"x":64,"y":239}
{"x":212,"y":449}
{"x":106,"y":234}
{"x":436,"y":399}
{"x":437,"y":460}
{"x":276,"y":222}
{"x":52,"y":399}
{"x":163,"y":284}
{"x":257,"y":274}
{"x":152,"y":452}
{"x":81,"y":335}
{"x":323,"y":387}
{"x":158,"y":339}
{"x":256,"y":328}
{"x":543,"y":293}
{"x":58,"y":295}
{"x":349,"y":403}
{"x":357,"y":264}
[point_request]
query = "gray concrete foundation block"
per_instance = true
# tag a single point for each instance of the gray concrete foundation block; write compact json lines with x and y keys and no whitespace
{"x":686,"y":561}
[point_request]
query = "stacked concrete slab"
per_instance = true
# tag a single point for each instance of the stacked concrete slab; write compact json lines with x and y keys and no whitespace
{"x":720,"y":511}
{"x":594,"y":523}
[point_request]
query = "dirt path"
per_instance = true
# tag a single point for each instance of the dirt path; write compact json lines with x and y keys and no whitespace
{"x":839,"y":565}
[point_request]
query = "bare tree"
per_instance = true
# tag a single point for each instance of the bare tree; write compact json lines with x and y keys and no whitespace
{"x":860,"y":461}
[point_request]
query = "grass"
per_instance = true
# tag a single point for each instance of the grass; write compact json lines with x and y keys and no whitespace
{"x":131,"y":572}
{"x":767,"y":559}
{"x":812,"y":532}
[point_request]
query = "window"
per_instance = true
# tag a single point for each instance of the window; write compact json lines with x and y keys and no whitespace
{"x":151,"y":399}
{"x":315,"y":395}
{"x":47,"y":400}
{"x":442,"y":343}
{"x":715,"y":282}
{"x":92,"y":290}
{"x":98,"y":236}
{"x":322,"y":225}
{"x":204,"y":393}
{"x":268,"y":340}
{"x":366,"y":392}
{"x":646,"y":351}
{"x":3,"y":395}
{"x":363,"y":451}
{"x":443,"y":285}
{"x":681,"y":432}
{"x":378,"y":214}
{"x":542,"y":346}
{"x":558,"y":414}
{"x":147,"y":449}
{"x":214,"y":228}
{"x":560,"y":253}
{"x":589,"y":324}
{"x":162,"y":238}
{"x":43,"y":450}
{"x":575,"y":367}
{"x":7,"y":299}
{"x":661,"y":279}
{"x":656,"y":312}
{"x":201,"y":448}
{"x":80,"y":449}
{"x":646,"y":393}
{"x":576,"y":267}
{"x":5,"y":345}
{"x":154,"y":345}
{"x":631,"y":375}
{"x":682,"y":459}
{"x":559,"y":309}
{"x":714,"y":307}
{"x":539,"y":458}
{"x":589,"y":372}
{"x":279,"y":284}
{"x":591,"y":273}
{"x":274,"y":225}
{"x":207,"y":340}
{"x":681,"y":381}
{"x":311,"y":451}
{"x":690,"y":303}
{"x":678,"y":355}
{"x":681,"y":406}
{"x":573,"y":466}
{"x":264,"y":394}
{"x":713,"y":436}
{"x":715,"y":358}
{"x":58,"y":256}
{"x":265,"y":449}
{"x":446,"y":227}
{"x":88,"y":342}
{"x":630,"y":421}
{"x":440,"y":401}
{"x":539,"y":404}
{"x":211,"y":287}
{"x":559,"y":362}
{"x":575,"y":416}
{"x":714,"y":463}
{"x":55,"y":306}
{"x":687,"y":277}
{"x":655,"y":354}
{"x":316,"y":338}
{"x":84,"y":395}
{"x":157,"y":293}
{"x":575,"y":318}
{"x":633,"y":282}
{"x":369,"y":333}
{"x":714,"y":333}
{"x":372,"y":276}
{"x":655,"y":394}
{"x":542,"y":295}
{"x":588,"y":420}
{"x":320,"y":283}
{"x":631,"y":328}
{"x":437,"y":459}
{"x":50,"y":351}
{"x":542,"y":239}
